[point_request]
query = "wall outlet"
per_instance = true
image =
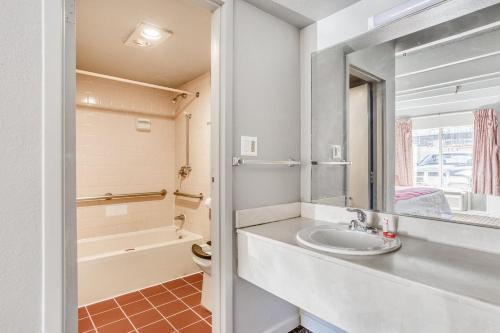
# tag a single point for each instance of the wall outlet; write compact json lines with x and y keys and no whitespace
{"x":248,"y":146}
{"x":116,"y":210}
{"x":336,"y":152}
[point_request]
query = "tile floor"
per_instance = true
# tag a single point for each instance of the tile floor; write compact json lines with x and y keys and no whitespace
{"x":173,"y":306}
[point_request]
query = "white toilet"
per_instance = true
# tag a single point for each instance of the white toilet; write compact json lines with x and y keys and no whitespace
{"x":202,"y":258}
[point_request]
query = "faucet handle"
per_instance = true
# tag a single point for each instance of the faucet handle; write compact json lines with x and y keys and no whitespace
{"x":361,"y":215}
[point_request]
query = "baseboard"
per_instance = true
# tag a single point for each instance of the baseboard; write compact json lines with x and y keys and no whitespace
{"x":316,"y":325}
{"x":284,"y":326}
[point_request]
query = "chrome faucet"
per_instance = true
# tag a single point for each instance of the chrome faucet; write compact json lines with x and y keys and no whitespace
{"x":360,"y":223}
{"x":182,"y":218}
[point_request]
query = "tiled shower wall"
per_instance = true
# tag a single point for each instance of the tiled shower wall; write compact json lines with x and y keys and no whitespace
{"x":197,"y":214}
{"x":112,"y":156}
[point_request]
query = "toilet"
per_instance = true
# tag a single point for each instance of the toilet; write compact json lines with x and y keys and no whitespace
{"x":202,"y":256}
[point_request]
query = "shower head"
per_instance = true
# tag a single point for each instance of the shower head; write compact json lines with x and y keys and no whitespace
{"x":183,"y":95}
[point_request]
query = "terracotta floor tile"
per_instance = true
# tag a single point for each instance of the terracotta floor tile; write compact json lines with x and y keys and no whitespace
{"x":184,"y":291}
{"x":198,"y":285}
{"x":183,"y":319}
{"x":159,"y":327}
{"x":174,"y":284}
{"x":145,"y":310}
{"x":192,"y":300}
{"x":172,"y":308}
{"x":199,"y":327}
{"x":202,"y":311}
{"x":122,"y":326}
{"x":136,"y":307}
{"x":163,"y":298}
{"x":85,"y":325}
{"x":153,"y":290}
{"x":82,"y":313}
{"x":194,"y":278}
{"x":145,"y":318}
{"x":129,"y":298}
{"x":102,"y":306}
{"x":107,"y":317}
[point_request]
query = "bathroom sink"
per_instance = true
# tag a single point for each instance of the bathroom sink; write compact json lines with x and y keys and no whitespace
{"x":344,"y":241}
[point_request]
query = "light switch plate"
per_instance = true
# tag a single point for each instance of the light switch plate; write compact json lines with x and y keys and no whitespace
{"x":248,"y":146}
{"x":336,"y":152}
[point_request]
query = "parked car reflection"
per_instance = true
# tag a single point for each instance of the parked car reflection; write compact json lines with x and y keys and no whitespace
{"x":456,"y":170}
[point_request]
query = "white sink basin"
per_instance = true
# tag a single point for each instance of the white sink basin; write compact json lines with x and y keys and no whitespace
{"x":345,"y":241}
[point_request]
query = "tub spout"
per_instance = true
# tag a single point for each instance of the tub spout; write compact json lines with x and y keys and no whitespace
{"x":182,"y":218}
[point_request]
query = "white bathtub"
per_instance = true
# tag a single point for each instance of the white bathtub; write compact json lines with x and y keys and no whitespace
{"x":113,"y":265}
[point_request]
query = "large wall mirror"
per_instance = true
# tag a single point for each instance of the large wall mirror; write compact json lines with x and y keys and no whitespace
{"x":410,"y":125}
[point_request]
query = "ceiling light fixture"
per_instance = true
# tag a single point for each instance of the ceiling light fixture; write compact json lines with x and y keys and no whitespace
{"x":146,"y":35}
{"x":151,"y":33}
{"x":405,"y":9}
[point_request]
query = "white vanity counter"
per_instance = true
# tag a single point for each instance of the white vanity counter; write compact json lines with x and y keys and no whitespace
{"x":422,"y":286}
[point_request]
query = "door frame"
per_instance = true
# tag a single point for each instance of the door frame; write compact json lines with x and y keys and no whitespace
{"x":221,"y":152}
{"x":59,"y":239}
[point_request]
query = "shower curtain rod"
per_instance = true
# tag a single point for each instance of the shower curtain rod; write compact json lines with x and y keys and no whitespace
{"x":144,"y":84}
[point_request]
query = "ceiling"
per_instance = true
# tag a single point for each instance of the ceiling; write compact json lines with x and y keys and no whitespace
{"x":439,"y":72}
{"x":103,"y":25}
{"x":456,"y":76}
{"x":317,"y":9}
{"x":302,"y":13}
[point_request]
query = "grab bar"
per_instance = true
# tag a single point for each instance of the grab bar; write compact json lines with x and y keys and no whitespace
{"x":237,"y":161}
{"x":188,"y":195}
{"x":331,"y":163}
{"x":110,"y":196}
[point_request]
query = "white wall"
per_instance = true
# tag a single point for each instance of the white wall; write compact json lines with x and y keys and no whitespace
{"x":198,"y":181}
{"x":21,"y":166}
{"x":266,"y":99}
{"x":266,"y":105}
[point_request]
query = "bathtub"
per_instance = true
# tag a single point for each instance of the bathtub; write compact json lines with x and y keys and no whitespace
{"x":117,"y":264}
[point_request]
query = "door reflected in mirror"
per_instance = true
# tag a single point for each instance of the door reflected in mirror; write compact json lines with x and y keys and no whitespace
{"x":410,"y":126}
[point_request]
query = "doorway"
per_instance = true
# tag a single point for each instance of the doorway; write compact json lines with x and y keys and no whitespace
{"x":61,"y":305}
{"x":365,"y":133}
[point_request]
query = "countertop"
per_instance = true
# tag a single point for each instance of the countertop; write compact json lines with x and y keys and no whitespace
{"x":469,"y":274}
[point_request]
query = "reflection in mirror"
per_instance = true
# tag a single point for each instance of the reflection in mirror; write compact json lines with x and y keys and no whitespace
{"x":409,"y":126}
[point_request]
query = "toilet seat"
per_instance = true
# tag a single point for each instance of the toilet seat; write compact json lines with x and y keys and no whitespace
{"x":202,"y":256}
{"x":202,"y":251}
